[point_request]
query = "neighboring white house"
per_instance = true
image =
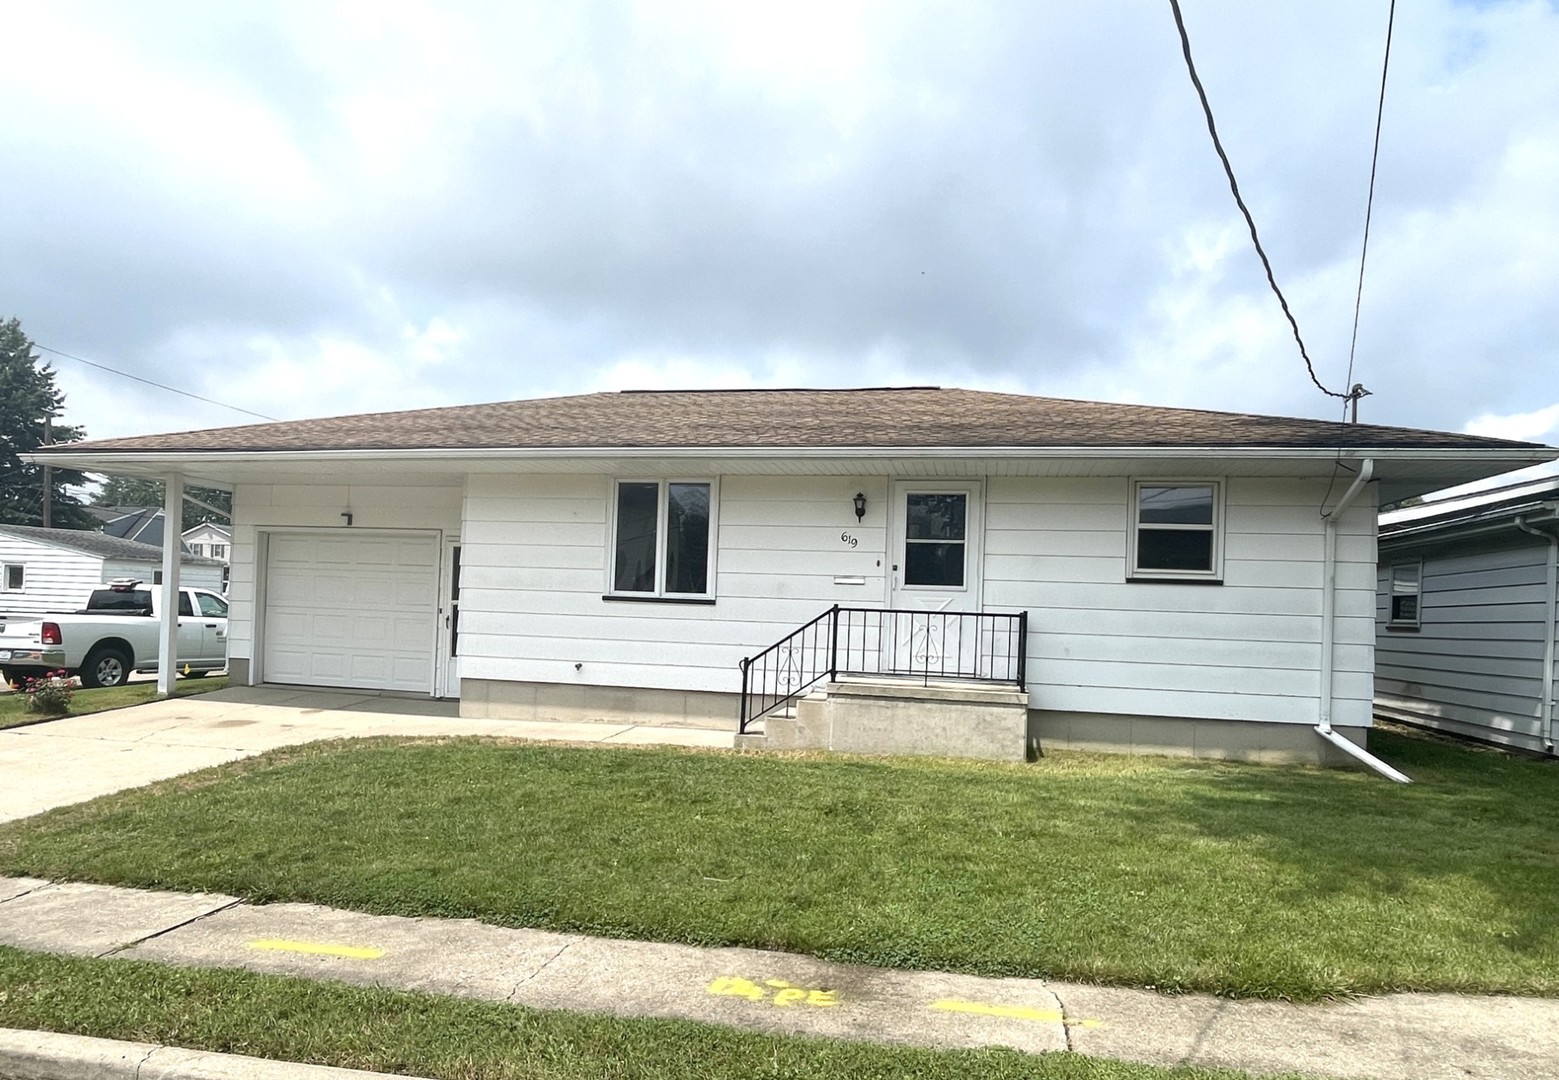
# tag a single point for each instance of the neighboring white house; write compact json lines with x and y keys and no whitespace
{"x":56,"y":569}
{"x":1468,"y":596}
{"x":212,"y":541}
{"x":1192,"y":582}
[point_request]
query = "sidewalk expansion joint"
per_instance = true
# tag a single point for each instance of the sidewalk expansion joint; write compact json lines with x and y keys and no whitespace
{"x":139,"y":1065}
{"x":522,"y":984}
{"x":1066,"y":1021}
{"x":27,"y":892}
{"x":126,"y":945}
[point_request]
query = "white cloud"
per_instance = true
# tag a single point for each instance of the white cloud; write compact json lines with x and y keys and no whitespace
{"x":1541,"y":425}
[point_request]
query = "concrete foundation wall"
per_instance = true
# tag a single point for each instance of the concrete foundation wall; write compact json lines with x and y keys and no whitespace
{"x":877,"y":719}
{"x":495,"y":699}
{"x":1227,"y":740}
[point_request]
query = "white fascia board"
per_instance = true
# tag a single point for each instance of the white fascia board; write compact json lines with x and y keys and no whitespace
{"x":173,"y":459}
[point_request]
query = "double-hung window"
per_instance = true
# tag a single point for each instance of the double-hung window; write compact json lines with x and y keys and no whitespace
{"x":1406,"y":586}
{"x":663,"y":539}
{"x":1176,"y":530}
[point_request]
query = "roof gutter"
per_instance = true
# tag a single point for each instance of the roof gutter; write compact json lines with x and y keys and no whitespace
{"x":1550,"y":722}
{"x":1329,"y":630}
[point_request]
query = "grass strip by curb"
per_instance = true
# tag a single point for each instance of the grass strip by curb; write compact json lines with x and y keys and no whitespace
{"x":449,"y":1039}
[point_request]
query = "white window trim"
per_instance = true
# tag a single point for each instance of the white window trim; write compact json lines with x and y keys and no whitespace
{"x":1133,"y":523}
{"x":5,"y":577}
{"x":1418,"y":594}
{"x":970,"y":494}
{"x":661,"y":518}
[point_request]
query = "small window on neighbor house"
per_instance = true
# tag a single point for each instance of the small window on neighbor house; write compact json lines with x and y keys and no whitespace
{"x":1175,"y":530}
{"x":197,"y":549}
{"x":15,"y":577}
{"x":1406,"y":579}
{"x":219,"y":551}
{"x":661,"y":538}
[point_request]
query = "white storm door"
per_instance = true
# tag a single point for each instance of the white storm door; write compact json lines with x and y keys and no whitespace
{"x":356,"y":610}
{"x":935,"y":571}
{"x":449,"y":624}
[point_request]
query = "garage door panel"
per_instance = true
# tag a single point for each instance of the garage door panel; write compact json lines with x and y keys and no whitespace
{"x":351,"y":611}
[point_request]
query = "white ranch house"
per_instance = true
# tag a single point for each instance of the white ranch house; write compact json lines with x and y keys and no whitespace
{"x":43,"y":570}
{"x":1193,"y":582}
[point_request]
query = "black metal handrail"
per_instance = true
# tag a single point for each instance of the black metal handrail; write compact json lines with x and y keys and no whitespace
{"x":963,"y":646}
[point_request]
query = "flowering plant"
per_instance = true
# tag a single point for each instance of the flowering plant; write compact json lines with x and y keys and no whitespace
{"x":50,"y":694}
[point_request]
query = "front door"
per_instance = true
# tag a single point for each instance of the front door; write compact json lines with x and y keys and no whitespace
{"x":934,"y":572}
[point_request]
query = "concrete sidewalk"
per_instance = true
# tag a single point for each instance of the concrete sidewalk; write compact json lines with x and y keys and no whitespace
{"x":1399,"y":1037}
{"x":65,"y":761}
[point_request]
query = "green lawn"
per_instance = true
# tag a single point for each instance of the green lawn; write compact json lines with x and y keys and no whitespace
{"x":450,"y":1039}
{"x":1240,"y":879}
{"x":13,"y":706}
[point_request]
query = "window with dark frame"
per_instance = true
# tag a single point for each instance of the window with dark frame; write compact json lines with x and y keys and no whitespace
{"x":661,"y":538}
{"x":1175,"y":530}
{"x":1406,"y":588}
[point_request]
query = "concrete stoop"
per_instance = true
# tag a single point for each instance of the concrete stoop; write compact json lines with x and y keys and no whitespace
{"x":900,"y":717}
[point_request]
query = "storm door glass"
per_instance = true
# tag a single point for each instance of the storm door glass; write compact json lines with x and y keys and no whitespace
{"x":934,"y":539}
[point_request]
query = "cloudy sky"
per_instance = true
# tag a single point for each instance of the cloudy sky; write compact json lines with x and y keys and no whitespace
{"x":317,"y":208}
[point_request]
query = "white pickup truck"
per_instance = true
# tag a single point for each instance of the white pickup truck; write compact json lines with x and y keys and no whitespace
{"x":118,"y":632}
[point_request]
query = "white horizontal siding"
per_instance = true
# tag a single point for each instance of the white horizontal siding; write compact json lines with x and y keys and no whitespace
{"x":258,"y":507}
{"x":533,"y":575}
{"x":534,"y":571}
{"x":54,"y":578}
{"x":1248,"y":649}
{"x":1475,"y":664}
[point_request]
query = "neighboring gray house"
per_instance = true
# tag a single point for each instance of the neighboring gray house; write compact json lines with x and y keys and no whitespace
{"x":1465,"y":615}
{"x":1134,"y":578}
{"x":55,"y":569}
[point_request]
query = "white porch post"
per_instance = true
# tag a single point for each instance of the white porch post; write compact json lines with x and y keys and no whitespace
{"x":173,"y":517}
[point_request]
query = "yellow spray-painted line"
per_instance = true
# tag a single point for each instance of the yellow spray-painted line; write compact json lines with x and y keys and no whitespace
{"x":1010,"y":1012}
{"x":315,"y":948}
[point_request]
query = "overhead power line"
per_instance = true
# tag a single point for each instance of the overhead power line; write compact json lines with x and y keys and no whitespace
{"x":1369,"y":203}
{"x":149,"y":382}
{"x":1234,"y":186}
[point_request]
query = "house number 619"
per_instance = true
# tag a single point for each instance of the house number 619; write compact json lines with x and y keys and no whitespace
{"x":847,"y":540}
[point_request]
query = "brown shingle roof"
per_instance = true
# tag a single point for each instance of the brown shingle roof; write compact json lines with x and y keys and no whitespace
{"x":916,"y":417}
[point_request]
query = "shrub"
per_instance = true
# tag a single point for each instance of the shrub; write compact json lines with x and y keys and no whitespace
{"x":49,"y":695}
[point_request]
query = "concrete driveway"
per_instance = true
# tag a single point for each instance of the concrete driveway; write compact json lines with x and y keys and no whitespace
{"x":81,"y":757}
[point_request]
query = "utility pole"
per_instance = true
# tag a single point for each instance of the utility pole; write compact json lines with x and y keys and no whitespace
{"x":48,"y":476}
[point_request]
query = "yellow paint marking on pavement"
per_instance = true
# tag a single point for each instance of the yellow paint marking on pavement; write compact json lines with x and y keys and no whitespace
{"x":1010,"y":1012}
{"x":315,"y":948}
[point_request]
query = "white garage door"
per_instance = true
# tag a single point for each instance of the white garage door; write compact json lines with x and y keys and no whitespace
{"x":353,"y":611}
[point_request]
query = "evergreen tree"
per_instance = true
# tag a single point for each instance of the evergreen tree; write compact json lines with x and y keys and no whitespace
{"x":28,"y":397}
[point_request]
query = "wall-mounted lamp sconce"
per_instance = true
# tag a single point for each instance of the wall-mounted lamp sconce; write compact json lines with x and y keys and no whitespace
{"x":348,"y":515}
{"x":860,"y":505}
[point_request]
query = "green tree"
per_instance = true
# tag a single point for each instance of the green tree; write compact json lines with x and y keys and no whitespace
{"x":29,"y":398}
{"x":130,"y":491}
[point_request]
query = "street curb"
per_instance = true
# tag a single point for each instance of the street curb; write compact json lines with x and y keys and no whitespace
{"x":47,"y":1055}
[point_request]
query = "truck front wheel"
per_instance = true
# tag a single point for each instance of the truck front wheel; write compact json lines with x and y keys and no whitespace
{"x":105,"y":666}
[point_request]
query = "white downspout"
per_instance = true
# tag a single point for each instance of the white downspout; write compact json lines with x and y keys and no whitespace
{"x":1547,"y":699}
{"x":1329,"y":630}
